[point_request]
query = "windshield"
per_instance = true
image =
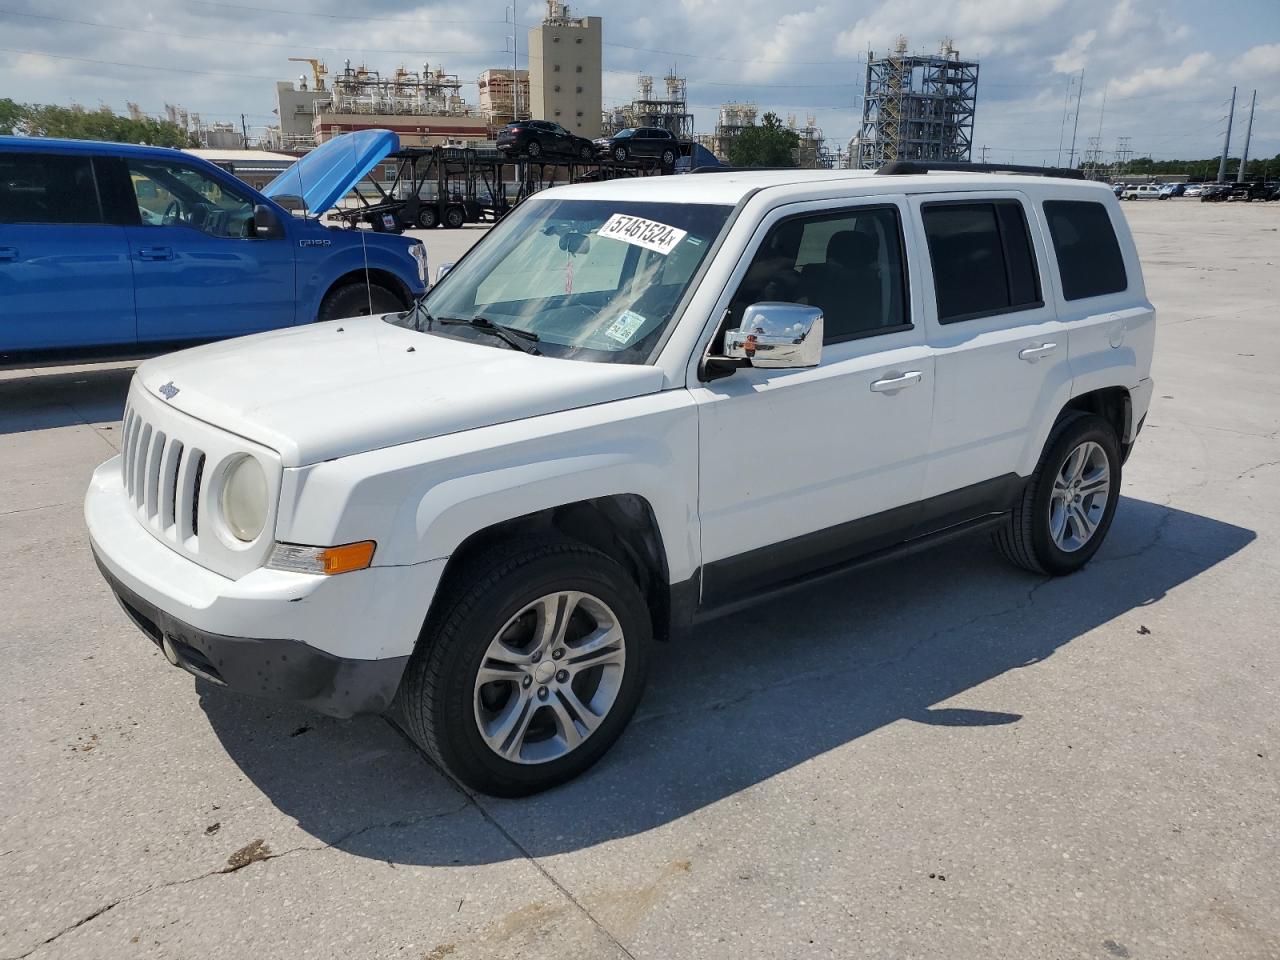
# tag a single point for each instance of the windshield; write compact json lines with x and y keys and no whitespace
{"x":623,"y":134}
{"x":592,"y":279}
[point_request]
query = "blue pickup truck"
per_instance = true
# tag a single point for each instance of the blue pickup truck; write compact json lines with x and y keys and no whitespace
{"x":112,"y":245}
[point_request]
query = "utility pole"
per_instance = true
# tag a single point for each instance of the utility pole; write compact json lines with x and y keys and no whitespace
{"x":515,"y":65}
{"x":244,"y":133}
{"x":984,"y":153}
{"x":1075,"y":125}
{"x":1248,"y":132}
{"x":1226,"y":142}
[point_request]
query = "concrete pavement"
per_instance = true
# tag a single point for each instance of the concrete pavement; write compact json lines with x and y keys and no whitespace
{"x":938,"y":757}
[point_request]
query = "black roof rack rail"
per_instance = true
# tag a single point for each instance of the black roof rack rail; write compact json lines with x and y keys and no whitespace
{"x":912,"y":167}
{"x":727,"y":169}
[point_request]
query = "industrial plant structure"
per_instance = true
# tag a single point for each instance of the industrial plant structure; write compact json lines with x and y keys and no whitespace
{"x":565,"y":65}
{"x":504,"y":96}
{"x":647,"y":110}
{"x":916,"y":107}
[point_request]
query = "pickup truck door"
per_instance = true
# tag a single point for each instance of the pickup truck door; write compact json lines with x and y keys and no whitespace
{"x":199,"y":272}
{"x":65,"y":278}
{"x":1000,"y":349}
{"x":802,"y":469}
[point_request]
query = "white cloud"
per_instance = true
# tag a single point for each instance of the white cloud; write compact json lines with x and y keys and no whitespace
{"x":1260,"y":61}
{"x":1072,"y":59}
{"x":1155,"y":79}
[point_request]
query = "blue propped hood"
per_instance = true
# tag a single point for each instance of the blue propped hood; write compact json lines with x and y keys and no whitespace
{"x":325,"y":175}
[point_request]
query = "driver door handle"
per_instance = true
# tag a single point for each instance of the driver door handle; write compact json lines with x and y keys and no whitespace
{"x":1032,"y":354}
{"x":155,"y":253}
{"x":8,"y":254}
{"x":893,"y":384}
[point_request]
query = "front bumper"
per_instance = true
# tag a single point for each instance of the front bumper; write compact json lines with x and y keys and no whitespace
{"x":338,"y":644}
{"x":275,"y":669}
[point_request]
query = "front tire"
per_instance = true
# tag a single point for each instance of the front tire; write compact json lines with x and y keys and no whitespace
{"x":529,"y":667}
{"x":620,"y":154}
{"x":427,"y":218}
{"x":454,"y":218}
{"x":1067,"y":507}
{"x":352,"y":300}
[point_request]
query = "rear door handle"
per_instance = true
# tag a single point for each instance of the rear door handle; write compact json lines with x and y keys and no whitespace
{"x":895,"y":383}
{"x":155,"y":253}
{"x":8,"y":254}
{"x":1032,"y":354}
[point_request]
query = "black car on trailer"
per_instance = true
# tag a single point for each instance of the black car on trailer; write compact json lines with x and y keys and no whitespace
{"x":642,"y":143}
{"x":542,"y":138}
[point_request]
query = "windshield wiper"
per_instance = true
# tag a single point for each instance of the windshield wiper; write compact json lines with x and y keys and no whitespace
{"x":514,"y":337}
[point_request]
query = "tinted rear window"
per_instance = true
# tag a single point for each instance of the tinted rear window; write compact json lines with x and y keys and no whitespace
{"x":47,"y":188}
{"x":1088,"y":252}
{"x":982,"y":259}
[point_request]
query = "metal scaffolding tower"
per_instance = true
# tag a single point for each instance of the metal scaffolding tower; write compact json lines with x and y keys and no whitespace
{"x":647,"y":110}
{"x":917,"y":107}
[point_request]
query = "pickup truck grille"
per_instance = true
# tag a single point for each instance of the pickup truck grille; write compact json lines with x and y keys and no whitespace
{"x":162,"y":478}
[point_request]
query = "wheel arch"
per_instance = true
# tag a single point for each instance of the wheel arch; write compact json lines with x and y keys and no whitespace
{"x":622,"y":526}
{"x":372,"y":275}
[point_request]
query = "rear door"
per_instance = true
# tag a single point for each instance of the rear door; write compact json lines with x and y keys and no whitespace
{"x":199,"y":271}
{"x":65,"y":277}
{"x":1000,"y":351}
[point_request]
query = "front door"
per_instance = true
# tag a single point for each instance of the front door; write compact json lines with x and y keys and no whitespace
{"x":65,"y":278}
{"x":803,"y":469}
{"x":199,"y":271}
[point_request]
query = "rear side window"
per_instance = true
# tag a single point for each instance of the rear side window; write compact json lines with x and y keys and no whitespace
{"x":982,"y":259}
{"x":1088,"y":252}
{"x":47,"y":188}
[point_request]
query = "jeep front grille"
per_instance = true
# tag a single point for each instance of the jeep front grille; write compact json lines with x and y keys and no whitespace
{"x":162,"y":478}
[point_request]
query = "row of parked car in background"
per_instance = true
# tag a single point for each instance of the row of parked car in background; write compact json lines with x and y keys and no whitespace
{"x":1207,"y":192}
{"x":544,"y":139}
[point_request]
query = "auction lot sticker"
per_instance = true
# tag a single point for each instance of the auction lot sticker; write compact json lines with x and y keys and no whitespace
{"x":643,"y":233}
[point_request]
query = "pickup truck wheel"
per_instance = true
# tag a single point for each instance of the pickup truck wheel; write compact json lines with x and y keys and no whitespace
{"x":353,"y":301}
{"x":1065,"y":511}
{"x":530,"y":667}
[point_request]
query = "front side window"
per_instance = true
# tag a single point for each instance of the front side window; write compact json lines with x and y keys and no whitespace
{"x":849,"y":264}
{"x":982,"y":259}
{"x":172,"y":194}
{"x":47,"y":188}
{"x":593,"y":279}
{"x":1085,"y":244}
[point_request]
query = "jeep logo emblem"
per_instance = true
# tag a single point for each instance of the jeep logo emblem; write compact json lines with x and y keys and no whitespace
{"x":168,"y":390}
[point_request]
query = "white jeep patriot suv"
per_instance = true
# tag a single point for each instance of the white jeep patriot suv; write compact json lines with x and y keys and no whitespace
{"x":631,"y":406}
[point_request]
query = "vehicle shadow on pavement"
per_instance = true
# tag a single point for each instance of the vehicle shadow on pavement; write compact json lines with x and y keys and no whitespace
{"x":747,"y":697}
{"x":46,"y":400}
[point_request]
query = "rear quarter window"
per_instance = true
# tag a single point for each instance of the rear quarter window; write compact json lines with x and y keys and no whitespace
{"x":1085,"y":244}
{"x":47,"y":188}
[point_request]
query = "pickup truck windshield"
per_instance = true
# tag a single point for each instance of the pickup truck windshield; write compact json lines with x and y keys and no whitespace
{"x":591,"y":279}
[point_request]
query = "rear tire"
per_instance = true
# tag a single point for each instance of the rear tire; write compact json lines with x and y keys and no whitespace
{"x":668,"y":158}
{"x":508,"y":736}
{"x":352,"y":300}
{"x":534,"y":150}
{"x":428,"y":218}
{"x":1061,"y":519}
{"x":586,"y":154}
{"x":454,"y":218}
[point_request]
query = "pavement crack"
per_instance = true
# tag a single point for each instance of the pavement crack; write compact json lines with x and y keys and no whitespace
{"x":1259,"y":466}
{"x":254,"y":852}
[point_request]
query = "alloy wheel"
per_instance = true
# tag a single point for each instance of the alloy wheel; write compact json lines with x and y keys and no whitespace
{"x":1079,"y":498}
{"x":549,"y":677}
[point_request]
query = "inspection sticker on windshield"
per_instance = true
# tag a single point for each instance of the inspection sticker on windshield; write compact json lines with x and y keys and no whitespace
{"x":625,"y":327}
{"x":643,"y":233}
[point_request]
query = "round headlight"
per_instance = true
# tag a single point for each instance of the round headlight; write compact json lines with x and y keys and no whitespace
{"x":244,"y":499}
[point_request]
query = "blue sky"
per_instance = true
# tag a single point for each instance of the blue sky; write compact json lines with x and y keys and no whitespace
{"x":1166,"y":68}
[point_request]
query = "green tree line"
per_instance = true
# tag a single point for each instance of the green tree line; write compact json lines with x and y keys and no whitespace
{"x":1261,"y":168}
{"x":77,"y":123}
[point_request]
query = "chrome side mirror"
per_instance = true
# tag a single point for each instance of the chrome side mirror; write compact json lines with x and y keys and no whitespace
{"x":777,"y":335}
{"x":443,"y":269}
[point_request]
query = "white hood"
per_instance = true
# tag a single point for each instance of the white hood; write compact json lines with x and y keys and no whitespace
{"x":330,"y":390}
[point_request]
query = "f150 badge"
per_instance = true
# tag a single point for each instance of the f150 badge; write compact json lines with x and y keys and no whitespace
{"x":167,"y":390}
{"x":313,"y":243}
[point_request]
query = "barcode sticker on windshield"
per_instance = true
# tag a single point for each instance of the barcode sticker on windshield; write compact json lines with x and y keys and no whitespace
{"x":643,"y":233}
